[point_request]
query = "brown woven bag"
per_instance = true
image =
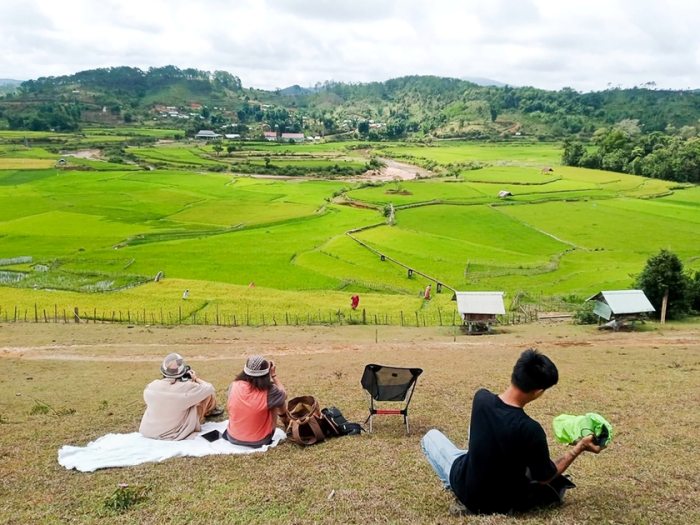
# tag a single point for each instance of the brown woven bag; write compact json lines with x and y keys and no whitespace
{"x":306,"y":424}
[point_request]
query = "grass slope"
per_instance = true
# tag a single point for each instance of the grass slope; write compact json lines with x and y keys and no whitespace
{"x":89,"y":380}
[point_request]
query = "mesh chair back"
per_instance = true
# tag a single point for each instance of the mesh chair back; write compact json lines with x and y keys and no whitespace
{"x":387,"y":383}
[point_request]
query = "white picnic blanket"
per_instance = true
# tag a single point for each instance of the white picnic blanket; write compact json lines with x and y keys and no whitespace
{"x":124,"y":450}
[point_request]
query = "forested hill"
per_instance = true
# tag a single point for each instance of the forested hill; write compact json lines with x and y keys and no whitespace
{"x":419,"y":106}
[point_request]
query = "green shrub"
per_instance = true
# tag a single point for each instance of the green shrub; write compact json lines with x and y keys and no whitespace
{"x":39,"y":409}
{"x":584,"y":314}
{"x":123,"y":498}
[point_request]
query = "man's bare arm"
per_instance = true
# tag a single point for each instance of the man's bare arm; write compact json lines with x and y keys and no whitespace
{"x":585,"y":444}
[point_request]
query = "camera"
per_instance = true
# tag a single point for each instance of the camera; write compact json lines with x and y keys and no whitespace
{"x":187,"y":375}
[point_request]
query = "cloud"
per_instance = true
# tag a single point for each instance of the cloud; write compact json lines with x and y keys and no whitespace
{"x":584,"y":44}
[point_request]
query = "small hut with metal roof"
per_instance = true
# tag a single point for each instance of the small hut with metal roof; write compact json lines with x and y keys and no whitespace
{"x":619,"y":307}
{"x":478,"y":310}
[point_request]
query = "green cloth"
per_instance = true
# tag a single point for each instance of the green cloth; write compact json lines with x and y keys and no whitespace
{"x":569,"y":429}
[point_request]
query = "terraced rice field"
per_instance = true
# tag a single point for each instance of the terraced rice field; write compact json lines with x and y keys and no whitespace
{"x":96,"y":235}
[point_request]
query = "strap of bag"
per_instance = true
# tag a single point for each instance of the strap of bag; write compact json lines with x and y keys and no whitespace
{"x":296,"y":436}
{"x":331,"y":427}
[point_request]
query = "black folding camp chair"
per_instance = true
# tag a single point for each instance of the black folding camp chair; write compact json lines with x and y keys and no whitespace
{"x":389,"y":383}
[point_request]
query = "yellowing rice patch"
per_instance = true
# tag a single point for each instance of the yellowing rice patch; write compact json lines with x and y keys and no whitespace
{"x":25,"y":164}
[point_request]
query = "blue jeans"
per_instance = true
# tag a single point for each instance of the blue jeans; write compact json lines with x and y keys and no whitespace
{"x":441,"y":454}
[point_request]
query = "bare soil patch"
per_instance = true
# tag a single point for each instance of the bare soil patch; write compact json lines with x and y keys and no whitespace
{"x":394,"y":171}
{"x":89,"y":154}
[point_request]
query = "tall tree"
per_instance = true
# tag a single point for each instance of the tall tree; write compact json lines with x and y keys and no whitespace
{"x":664,"y":273}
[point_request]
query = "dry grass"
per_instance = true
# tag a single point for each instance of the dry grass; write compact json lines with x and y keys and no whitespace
{"x":645,"y":383}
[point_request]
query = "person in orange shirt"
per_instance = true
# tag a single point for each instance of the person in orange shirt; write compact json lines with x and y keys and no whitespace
{"x":256,"y":398}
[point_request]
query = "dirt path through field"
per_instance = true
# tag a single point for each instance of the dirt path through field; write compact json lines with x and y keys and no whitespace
{"x":144,"y":343}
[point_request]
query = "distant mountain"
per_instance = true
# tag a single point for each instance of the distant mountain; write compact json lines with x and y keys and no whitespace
{"x":482,"y":81}
{"x":420,"y":106}
{"x":8,"y":85}
{"x":296,"y":90}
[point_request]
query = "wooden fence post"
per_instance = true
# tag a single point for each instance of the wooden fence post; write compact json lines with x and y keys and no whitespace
{"x":76,"y":314}
{"x":664,"y":305}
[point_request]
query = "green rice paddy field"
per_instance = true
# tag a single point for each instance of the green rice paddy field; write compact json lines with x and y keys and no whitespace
{"x":95,"y":234}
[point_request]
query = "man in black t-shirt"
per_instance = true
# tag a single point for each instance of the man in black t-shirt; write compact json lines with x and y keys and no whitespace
{"x":507,"y":467}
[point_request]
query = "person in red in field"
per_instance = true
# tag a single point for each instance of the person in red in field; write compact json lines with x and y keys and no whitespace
{"x":354,"y":302}
{"x":426,"y":295}
{"x":255,"y":399}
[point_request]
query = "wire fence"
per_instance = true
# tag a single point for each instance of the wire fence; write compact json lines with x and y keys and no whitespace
{"x":217,"y":317}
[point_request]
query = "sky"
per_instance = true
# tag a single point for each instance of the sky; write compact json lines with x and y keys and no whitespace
{"x":587,"y":45}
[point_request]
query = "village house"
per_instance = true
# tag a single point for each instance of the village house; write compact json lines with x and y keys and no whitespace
{"x":272,"y":136}
{"x":292,"y":137}
{"x":207,"y":134}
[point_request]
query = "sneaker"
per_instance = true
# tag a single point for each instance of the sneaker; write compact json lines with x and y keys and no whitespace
{"x":457,"y":508}
{"x":215,"y":412}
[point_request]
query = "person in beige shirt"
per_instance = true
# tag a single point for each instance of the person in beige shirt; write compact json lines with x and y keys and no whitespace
{"x":177,"y":404}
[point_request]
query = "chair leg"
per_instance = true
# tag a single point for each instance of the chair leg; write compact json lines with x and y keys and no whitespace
{"x":405,"y":420}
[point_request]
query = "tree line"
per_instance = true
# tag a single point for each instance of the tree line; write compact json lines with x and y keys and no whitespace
{"x":673,"y":155}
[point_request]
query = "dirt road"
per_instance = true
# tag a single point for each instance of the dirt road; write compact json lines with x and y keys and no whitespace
{"x":149,"y":343}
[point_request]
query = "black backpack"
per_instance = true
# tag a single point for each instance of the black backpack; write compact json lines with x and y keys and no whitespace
{"x":345,"y":428}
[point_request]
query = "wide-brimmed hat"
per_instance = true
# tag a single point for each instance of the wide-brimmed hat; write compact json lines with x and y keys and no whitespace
{"x":256,"y":366}
{"x":173,"y":366}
